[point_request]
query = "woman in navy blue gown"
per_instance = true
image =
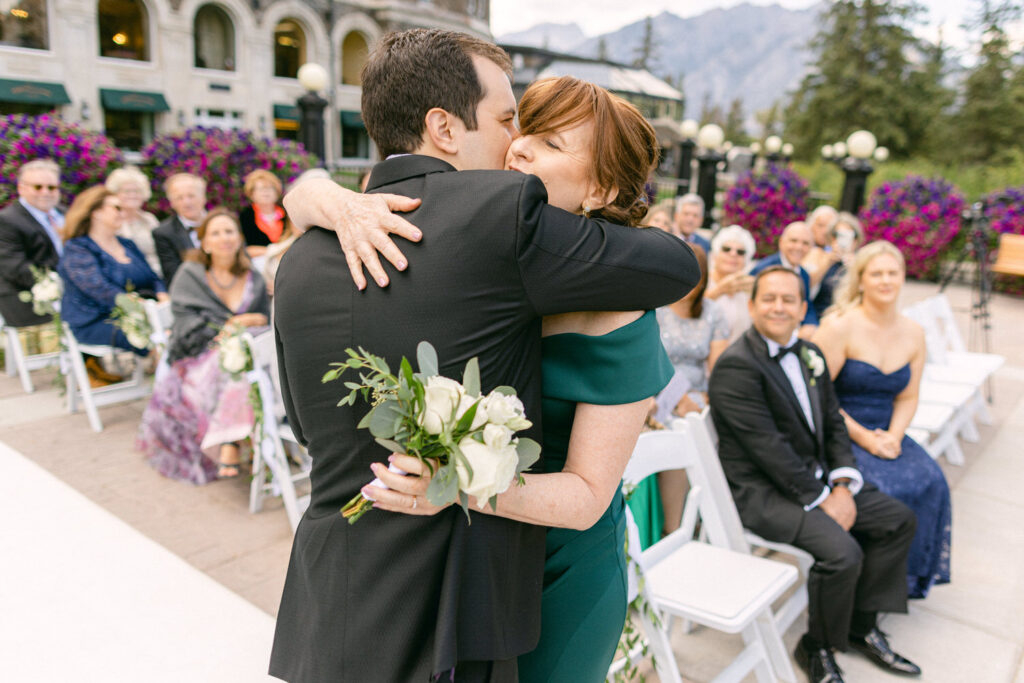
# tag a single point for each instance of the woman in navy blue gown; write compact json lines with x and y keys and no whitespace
{"x":876,"y":357}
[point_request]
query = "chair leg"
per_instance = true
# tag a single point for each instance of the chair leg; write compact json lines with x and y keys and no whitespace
{"x":775,"y":649}
{"x":83,"y":390}
{"x":256,"y":488}
{"x":661,"y":650}
{"x":16,"y":352}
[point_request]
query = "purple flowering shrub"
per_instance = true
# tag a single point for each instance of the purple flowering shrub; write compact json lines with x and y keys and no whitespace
{"x":765,"y":203}
{"x":84,"y":156}
{"x":921,"y":216}
{"x":1005,"y":212}
{"x":223,"y":158}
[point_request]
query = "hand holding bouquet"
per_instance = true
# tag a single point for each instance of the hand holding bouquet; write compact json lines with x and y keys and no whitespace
{"x":45,"y":293}
{"x":465,"y":439}
{"x":129,"y":316}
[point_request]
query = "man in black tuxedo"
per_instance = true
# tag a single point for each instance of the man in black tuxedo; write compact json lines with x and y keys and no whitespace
{"x":177,"y":234}
{"x":401,"y":597}
{"x":786,"y":453}
{"x":30,"y":235}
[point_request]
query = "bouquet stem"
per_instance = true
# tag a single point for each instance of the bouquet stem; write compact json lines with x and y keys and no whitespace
{"x":356,"y":508}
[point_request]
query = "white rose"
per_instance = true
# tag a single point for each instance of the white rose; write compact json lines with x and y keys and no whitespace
{"x":441,"y":397}
{"x":502,"y":408}
{"x":493,"y":469}
{"x":232,"y":355}
{"x":497,"y":436}
{"x":479,"y":417}
{"x":140,"y":341}
{"x":46,"y":290}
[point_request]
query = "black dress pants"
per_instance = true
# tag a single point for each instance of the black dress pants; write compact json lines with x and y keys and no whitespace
{"x":864,"y":569}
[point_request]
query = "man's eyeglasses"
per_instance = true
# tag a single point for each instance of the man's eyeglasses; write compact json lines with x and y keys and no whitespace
{"x":726,"y":249}
{"x":48,"y":188}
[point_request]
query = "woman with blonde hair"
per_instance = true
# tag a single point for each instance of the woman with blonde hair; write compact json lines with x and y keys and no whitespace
{"x":263,"y":221}
{"x":876,"y":356}
{"x":132,"y":189}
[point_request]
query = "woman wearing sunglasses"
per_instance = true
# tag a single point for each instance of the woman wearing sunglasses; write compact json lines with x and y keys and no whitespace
{"x":732,"y":252}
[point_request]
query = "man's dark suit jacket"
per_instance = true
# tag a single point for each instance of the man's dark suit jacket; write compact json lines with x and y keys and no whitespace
{"x":767,"y":449}
{"x":396,"y":597}
{"x":23,"y":243}
{"x":811,"y":318}
{"x":172,"y":240}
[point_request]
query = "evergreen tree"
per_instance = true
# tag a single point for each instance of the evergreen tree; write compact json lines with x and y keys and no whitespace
{"x":861,"y":78}
{"x":602,"y":48}
{"x":735,"y":127}
{"x":929,"y":127}
{"x":646,"y":53}
{"x":770,"y":120}
{"x":988,"y":124}
{"x":711,"y":112}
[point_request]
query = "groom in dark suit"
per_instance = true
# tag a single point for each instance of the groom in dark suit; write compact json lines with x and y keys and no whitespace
{"x":786,"y":453}
{"x":401,"y":597}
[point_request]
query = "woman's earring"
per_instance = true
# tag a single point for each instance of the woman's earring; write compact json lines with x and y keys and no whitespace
{"x":586,"y":211}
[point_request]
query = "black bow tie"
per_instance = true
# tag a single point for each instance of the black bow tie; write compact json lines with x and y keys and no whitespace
{"x":783,"y":350}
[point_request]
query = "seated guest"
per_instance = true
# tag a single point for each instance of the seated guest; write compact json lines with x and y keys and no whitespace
{"x":30,"y":236}
{"x":176,"y":236}
{"x":732,"y":252}
{"x":660,"y":216}
{"x":689,"y":219}
{"x":198,"y":414}
{"x":794,"y":244}
{"x":786,"y":453}
{"x":137,"y":225}
{"x":820,"y":257}
{"x":263,"y":220}
{"x":96,"y":266}
{"x":694,"y":332}
{"x":876,"y":357}
{"x":845,"y":235}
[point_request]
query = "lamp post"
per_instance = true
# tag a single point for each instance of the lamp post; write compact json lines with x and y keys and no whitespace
{"x":689,"y":129}
{"x":313,"y":78}
{"x":787,"y":152}
{"x":861,"y":145}
{"x":709,"y":140}
{"x":755,"y":149}
{"x":772,"y":147}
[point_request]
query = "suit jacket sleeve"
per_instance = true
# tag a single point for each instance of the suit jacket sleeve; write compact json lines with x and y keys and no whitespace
{"x":571,"y":263}
{"x":737,"y":396}
{"x":14,"y":263}
{"x":168,"y":254}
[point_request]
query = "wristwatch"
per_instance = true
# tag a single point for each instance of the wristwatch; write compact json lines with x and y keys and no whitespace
{"x":845,"y":483}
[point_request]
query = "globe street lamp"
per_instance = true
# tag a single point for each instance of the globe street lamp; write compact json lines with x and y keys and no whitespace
{"x":861,"y":145}
{"x":787,"y":152}
{"x":313,"y":78}
{"x":772,"y":147}
{"x":709,"y":140}
{"x":689,"y":129}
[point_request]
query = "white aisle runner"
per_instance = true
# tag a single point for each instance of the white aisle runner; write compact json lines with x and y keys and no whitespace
{"x":85,"y":597}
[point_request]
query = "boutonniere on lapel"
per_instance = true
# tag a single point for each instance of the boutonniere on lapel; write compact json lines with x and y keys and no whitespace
{"x":814,"y":362}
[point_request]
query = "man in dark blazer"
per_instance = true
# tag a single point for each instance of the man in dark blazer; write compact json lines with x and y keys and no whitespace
{"x":177,"y":234}
{"x":30,"y":235}
{"x":400,"y":597}
{"x":786,"y":453}
{"x":794,"y":244}
{"x":689,"y":218}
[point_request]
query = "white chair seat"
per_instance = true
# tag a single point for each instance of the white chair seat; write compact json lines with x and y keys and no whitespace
{"x":932,"y":417}
{"x":79,"y":388}
{"x":19,"y":363}
{"x":718,"y":587}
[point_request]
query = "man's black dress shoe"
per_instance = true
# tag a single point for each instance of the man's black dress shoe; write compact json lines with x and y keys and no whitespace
{"x":875,"y":646}
{"x":819,"y":664}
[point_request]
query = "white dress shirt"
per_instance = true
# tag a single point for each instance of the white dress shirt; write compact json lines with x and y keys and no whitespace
{"x":51,"y":221}
{"x":790,"y":365}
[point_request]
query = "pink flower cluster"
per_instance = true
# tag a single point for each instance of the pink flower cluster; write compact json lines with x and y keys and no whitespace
{"x":765,"y":203}
{"x":921,"y":216}
{"x":223,"y":158}
{"x":1005,"y":212}
{"x":85,"y":157}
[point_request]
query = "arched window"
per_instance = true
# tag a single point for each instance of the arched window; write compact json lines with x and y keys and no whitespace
{"x":353,"y":55}
{"x":214,"y":37}
{"x":122,"y":25}
{"x":23,"y":24}
{"x":289,"y":48}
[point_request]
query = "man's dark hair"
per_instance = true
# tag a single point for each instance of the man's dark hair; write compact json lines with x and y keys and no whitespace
{"x":778,"y":269}
{"x":411,"y":72}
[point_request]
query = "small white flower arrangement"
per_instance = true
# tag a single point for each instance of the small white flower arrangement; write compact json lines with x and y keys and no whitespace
{"x":45,"y":293}
{"x":129,"y":316}
{"x":814,"y":362}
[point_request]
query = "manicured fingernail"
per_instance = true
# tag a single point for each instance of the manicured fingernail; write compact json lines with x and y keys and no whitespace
{"x":375,"y":467}
{"x":391,"y":458}
{"x":366,"y":492}
{"x":416,"y":234}
{"x":361,"y":287}
{"x":383,"y":282}
{"x":401,"y":265}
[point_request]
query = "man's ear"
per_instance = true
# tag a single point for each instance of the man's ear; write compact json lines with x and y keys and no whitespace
{"x":444,"y":130}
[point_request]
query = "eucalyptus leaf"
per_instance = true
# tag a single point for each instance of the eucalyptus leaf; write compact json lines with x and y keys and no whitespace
{"x":406,"y":370}
{"x":392,"y":446}
{"x":330,"y":376}
{"x":507,"y":391}
{"x":471,"y":377}
{"x":383,"y":420}
{"x":365,"y":422}
{"x":426,"y":358}
{"x":444,"y":487}
{"x":494,"y":503}
{"x":528,"y":451}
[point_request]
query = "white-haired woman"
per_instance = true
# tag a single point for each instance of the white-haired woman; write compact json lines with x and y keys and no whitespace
{"x":132,"y":189}
{"x":876,"y":357}
{"x":732,"y":252}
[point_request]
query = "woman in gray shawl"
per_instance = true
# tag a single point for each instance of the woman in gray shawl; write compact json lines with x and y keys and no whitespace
{"x":199,"y":413}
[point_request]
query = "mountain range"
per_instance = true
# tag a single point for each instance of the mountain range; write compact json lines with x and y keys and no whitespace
{"x":756,"y":53}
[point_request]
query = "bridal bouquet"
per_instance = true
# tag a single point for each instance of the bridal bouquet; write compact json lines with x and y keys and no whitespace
{"x":45,"y":293}
{"x":233,"y":352}
{"x":467,"y":440}
{"x":129,"y":316}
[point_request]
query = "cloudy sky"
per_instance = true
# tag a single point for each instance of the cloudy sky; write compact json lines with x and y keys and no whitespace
{"x":600,"y":16}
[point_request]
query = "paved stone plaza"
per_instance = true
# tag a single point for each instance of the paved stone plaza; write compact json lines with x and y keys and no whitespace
{"x":969,"y":630}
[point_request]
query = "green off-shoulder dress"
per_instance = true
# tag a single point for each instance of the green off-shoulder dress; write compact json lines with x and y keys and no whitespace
{"x":584,"y":602}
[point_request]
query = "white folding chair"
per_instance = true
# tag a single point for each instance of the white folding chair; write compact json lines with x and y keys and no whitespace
{"x":707,"y":584}
{"x":272,"y":473}
{"x":77,"y":378}
{"x":160,"y":320}
{"x":702,"y":431}
{"x":17,"y":362}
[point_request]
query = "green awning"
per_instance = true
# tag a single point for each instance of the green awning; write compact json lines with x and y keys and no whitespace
{"x":33,"y":92}
{"x":287,"y":112}
{"x":352,"y":119}
{"x":133,"y":100}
